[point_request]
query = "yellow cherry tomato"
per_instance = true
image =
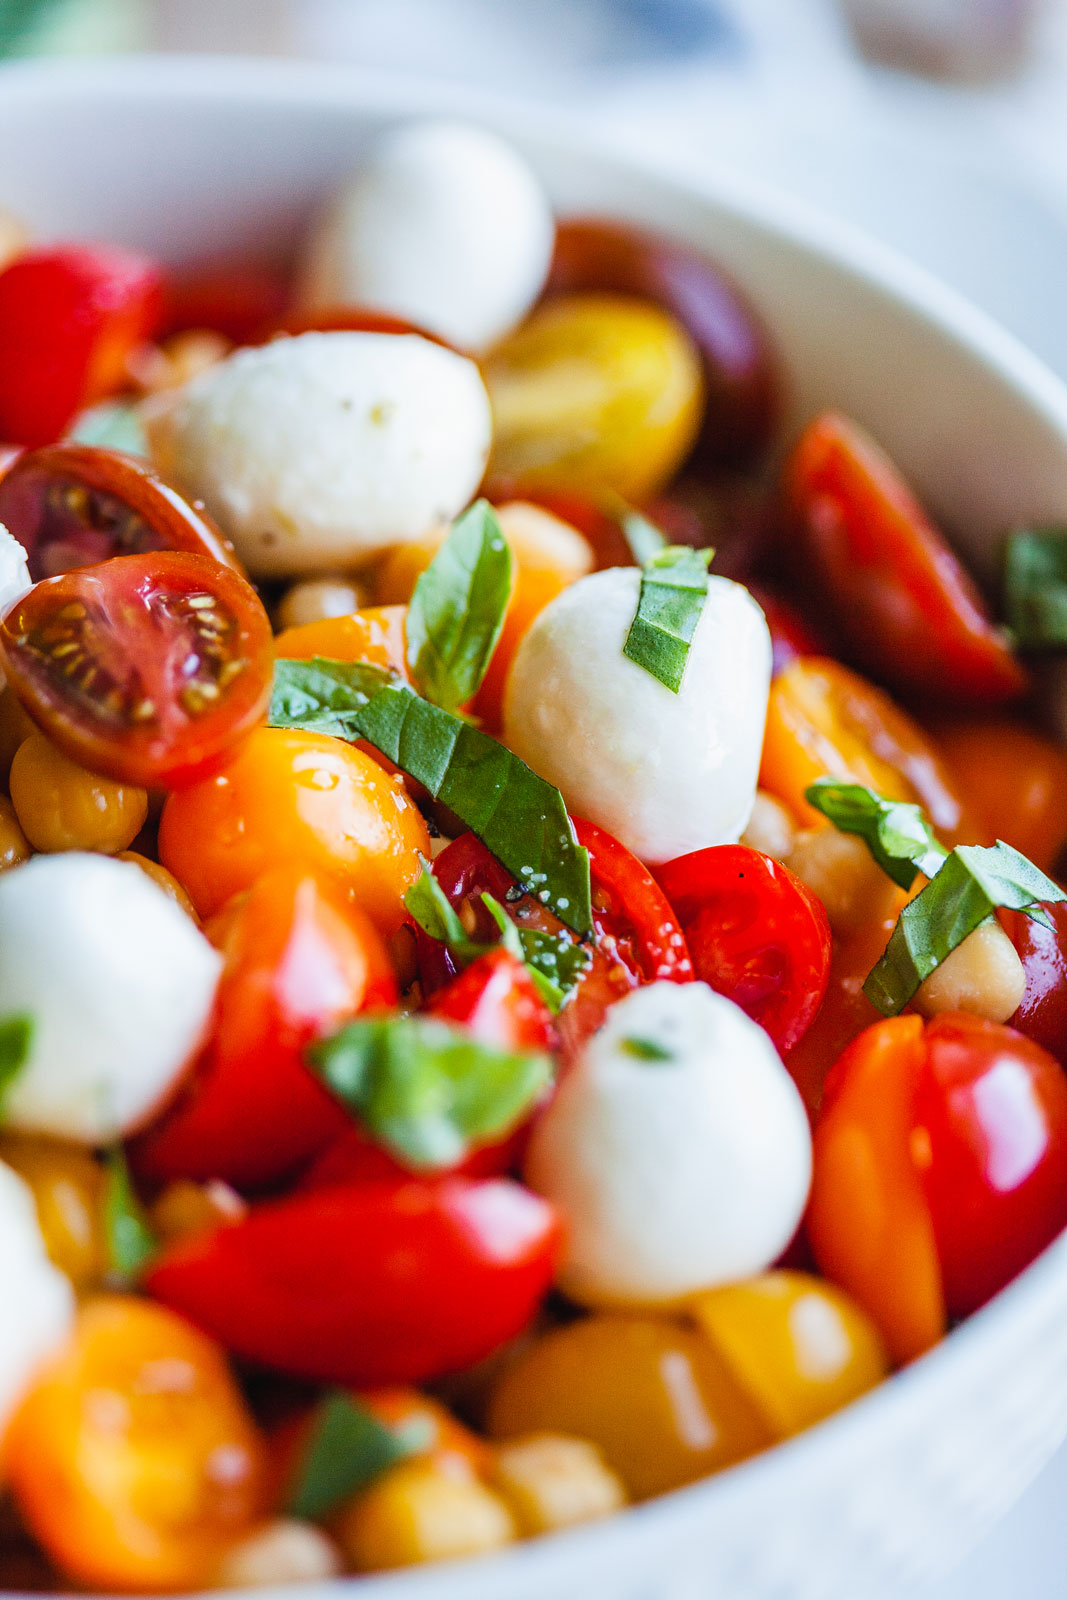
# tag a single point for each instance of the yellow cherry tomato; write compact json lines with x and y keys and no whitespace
{"x":14,"y":845}
{"x":374,"y":635}
{"x":62,"y":806}
{"x":68,"y":1185}
{"x":654,"y":1395}
{"x":596,"y":392}
{"x":290,"y":796}
{"x":15,"y":727}
{"x":133,"y":1459}
{"x":799,"y":1347}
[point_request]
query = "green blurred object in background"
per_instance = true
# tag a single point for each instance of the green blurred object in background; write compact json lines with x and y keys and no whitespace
{"x":71,"y":27}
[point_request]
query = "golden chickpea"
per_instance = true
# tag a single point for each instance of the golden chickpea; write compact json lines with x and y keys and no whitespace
{"x":14,"y":845}
{"x":840,"y":869}
{"x":428,"y":1509}
{"x":283,"y":1551}
{"x":317,"y":599}
{"x":156,"y":368}
{"x":15,"y":727}
{"x":61,"y":806}
{"x":186,"y":1208}
{"x":163,"y":880}
{"x":68,"y":1186}
{"x":551,"y":1481}
{"x":983,"y":975}
{"x":770,"y":828}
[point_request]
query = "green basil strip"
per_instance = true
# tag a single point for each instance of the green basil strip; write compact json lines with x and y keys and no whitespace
{"x":519,"y":817}
{"x":428,"y":1091}
{"x":646,"y":1049}
{"x":16,"y":1042}
{"x":644,"y":538}
{"x":674,"y":586}
{"x":112,"y":425}
{"x":896,"y":833}
{"x":346,"y":1449}
{"x":1035,"y":588}
{"x":972,"y":884}
{"x":131,"y":1242}
{"x":457,"y":608}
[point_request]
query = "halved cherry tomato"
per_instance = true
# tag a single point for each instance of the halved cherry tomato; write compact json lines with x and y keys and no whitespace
{"x":299,"y":963}
{"x":370,"y":1283}
{"x":1042,"y":1016}
{"x":72,"y":505}
{"x":739,"y":370}
{"x":908,"y":608}
{"x":755,"y":933}
{"x":236,"y":298}
{"x":149,"y":668}
{"x":1014,"y":779}
{"x":69,"y":317}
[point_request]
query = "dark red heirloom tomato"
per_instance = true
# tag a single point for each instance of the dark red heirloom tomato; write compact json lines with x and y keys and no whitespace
{"x":236,"y":298}
{"x":742,"y":397}
{"x":69,"y":317}
{"x":146,"y":668}
{"x":792,"y":635}
{"x":350,"y":319}
{"x":909,"y":611}
{"x":756,"y":933}
{"x":1042,"y":1016}
{"x":300,"y":961}
{"x":369,"y":1283}
{"x":72,"y":505}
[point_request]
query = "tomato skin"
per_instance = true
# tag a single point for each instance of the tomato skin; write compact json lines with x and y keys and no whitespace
{"x":1042,"y":1016}
{"x":792,"y":635}
{"x":756,"y":933}
{"x":350,"y":319}
{"x":132,"y":623}
{"x":103,"y":485}
{"x":299,"y":963}
{"x":742,"y":391}
{"x":69,"y":317}
{"x":1014,"y":780}
{"x":910,"y":611}
{"x":370,"y":1283}
{"x":235,"y":298}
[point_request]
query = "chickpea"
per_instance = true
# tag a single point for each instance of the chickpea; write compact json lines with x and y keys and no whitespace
{"x":163,"y":880}
{"x":283,"y":1551}
{"x":429,"y":1509}
{"x":551,"y":1481}
{"x":61,"y":806}
{"x":186,"y":1207}
{"x":14,"y":845}
{"x":770,"y":827}
{"x":155,"y":368}
{"x":316,"y":599}
{"x":840,"y":869}
{"x":983,"y":975}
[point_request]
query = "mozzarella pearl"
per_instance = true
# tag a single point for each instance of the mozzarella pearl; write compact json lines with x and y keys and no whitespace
{"x":14,"y":573}
{"x":666,"y":773}
{"x":445,"y":226}
{"x":678,"y":1173}
{"x":37,"y":1301}
{"x":119,"y":986}
{"x":321,"y":451}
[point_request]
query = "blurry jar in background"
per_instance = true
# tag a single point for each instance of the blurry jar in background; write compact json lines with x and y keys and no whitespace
{"x":965,"y":39}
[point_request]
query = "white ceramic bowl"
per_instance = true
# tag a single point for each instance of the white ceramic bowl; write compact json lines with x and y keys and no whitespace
{"x":187,"y":157}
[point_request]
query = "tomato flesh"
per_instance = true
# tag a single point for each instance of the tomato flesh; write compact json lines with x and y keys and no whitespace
{"x":147,"y":668}
{"x":1042,"y":1016}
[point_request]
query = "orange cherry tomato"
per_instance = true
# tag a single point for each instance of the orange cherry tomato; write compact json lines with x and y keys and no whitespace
{"x":133,"y":1459}
{"x":824,"y":719}
{"x":1014,"y":780}
{"x":374,"y":635}
{"x":304,"y":798}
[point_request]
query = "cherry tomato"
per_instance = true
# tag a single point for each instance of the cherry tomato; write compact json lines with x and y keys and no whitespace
{"x":908,"y":608}
{"x":290,"y":796}
{"x":1042,"y":1016}
{"x":369,"y":1283}
{"x":739,"y":372}
{"x":72,"y":505}
{"x":374,"y":635}
{"x":731,"y":513}
{"x":1014,"y":780}
{"x":792,"y":635}
{"x":69,"y":1186}
{"x":350,"y":319}
{"x":149,"y":669}
{"x":70,"y":315}
{"x":299,"y":963}
{"x":236,"y":298}
{"x":756,"y":934}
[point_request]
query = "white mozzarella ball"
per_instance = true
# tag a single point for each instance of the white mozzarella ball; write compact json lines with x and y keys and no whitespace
{"x":118,"y":984}
{"x":666,"y":773}
{"x":15,"y":577}
{"x":36,"y":1300}
{"x":445,"y":226}
{"x":677,"y":1150}
{"x":321,"y":451}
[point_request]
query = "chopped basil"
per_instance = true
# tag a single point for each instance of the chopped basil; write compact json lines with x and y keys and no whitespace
{"x":428,"y":1091}
{"x":458,"y":606}
{"x":1035,"y":587}
{"x":112,"y":425}
{"x":674,"y":586}
{"x":896,"y":833}
{"x":516,"y":814}
{"x":16,"y":1041}
{"x":347,"y":1448}
{"x":972,"y":884}
{"x":643,"y":537}
{"x":127,"y":1231}
{"x":646,"y":1050}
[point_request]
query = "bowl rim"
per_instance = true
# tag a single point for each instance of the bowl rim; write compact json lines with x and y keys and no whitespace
{"x":240,"y":81}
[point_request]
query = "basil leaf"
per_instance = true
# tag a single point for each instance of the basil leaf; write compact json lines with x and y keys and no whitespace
{"x":112,"y":425}
{"x":554,"y":961}
{"x":516,"y":814}
{"x":427,"y":1091}
{"x":896,"y":833}
{"x":346,"y":1449}
{"x":646,"y":1049}
{"x":643,"y":537}
{"x":16,"y":1041}
{"x":458,"y":606}
{"x":130,"y":1240}
{"x":1035,"y":587}
{"x":437,"y":916}
{"x":973,"y":883}
{"x":674,"y":585}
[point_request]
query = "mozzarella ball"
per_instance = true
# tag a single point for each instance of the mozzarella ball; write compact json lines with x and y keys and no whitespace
{"x":118,"y":984}
{"x":666,"y":773}
{"x":677,"y":1150}
{"x":320,"y":452}
{"x":445,"y":226}
{"x":15,"y":577}
{"x":37,"y":1300}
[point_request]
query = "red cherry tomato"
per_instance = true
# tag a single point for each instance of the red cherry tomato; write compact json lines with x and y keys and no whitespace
{"x":72,"y":505}
{"x":235,"y":298}
{"x":146,"y":668}
{"x":1042,"y":1016}
{"x":69,"y":317}
{"x":742,"y":398}
{"x":369,"y":1283}
{"x":792,"y":635}
{"x":300,"y":961}
{"x":756,"y":933}
{"x":909,"y":610}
